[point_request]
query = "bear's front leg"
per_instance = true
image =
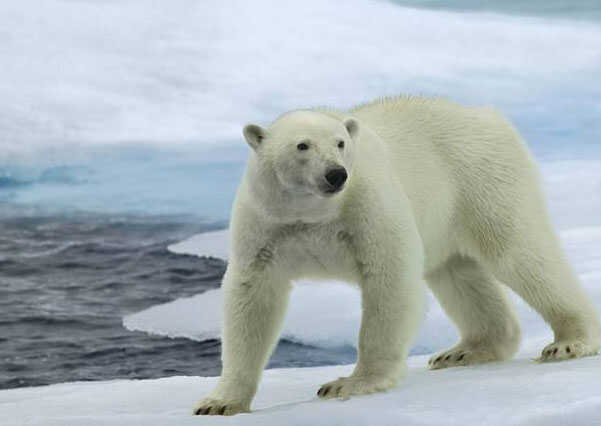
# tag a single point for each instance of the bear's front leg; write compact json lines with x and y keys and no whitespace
{"x":392,"y":307}
{"x":254,"y":307}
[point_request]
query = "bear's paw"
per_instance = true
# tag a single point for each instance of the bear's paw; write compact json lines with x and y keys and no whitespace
{"x":566,"y":349}
{"x":345,"y":387}
{"x":461,"y":356}
{"x":219,"y":407}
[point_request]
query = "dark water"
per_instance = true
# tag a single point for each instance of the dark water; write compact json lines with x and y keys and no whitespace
{"x":66,"y":281}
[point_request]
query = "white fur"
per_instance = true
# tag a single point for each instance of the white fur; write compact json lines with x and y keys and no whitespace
{"x":436,"y":192}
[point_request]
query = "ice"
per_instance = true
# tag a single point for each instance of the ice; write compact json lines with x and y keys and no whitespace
{"x":517,"y":392}
{"x":137,"y":100}
{"x":573,"y":190}
{"x":211,"y":244}
{"x":77,"y":74}
{"x":324,"y":314}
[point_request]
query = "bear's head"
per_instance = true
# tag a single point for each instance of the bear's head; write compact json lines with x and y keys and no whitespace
{"x":304,"y":157}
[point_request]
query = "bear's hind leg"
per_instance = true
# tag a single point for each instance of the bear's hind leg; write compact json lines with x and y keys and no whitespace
{"x":536,"y":269}
{"x":479,"y":307}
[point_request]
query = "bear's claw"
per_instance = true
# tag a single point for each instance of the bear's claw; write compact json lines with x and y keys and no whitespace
{"x":460,"y":356}
{"x":346,"y":387}
{"x":560,"y":351}
{"x":214,"y":407}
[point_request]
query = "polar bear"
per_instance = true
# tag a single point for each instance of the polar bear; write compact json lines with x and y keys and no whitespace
{"x":390,"y":195}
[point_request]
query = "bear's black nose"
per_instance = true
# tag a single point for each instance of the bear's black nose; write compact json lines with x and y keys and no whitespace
{"x":336,"y":178}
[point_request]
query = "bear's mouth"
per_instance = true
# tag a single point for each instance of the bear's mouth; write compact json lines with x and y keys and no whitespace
{"x":329,"y":190}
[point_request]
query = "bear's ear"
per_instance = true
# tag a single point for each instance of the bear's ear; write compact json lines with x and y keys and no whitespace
{"x":352,"y":127}
{"x":254,"y":135}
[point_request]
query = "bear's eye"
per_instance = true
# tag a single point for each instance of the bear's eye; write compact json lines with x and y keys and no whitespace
{"x":302,"y":146}
{"x":341,"y":144}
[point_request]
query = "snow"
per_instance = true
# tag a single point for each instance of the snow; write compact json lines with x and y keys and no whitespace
{"x":517,"y":392}
{"x":186,"y":74}
{"x":134,"y":101}
{"x":325,"y":314}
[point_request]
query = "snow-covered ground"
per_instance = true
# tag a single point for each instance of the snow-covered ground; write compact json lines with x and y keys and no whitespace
{"x":518,"y":392}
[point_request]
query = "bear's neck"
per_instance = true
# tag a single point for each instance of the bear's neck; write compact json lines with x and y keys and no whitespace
{"x":280,"y":206}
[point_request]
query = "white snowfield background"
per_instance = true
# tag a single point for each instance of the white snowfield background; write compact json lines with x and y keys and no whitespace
{"x":188,"y":74}
{"x":78,"y":77}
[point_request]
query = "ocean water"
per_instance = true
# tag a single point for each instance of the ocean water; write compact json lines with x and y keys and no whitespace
{"x":67,"y":281}
{"x":120,"y":133}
